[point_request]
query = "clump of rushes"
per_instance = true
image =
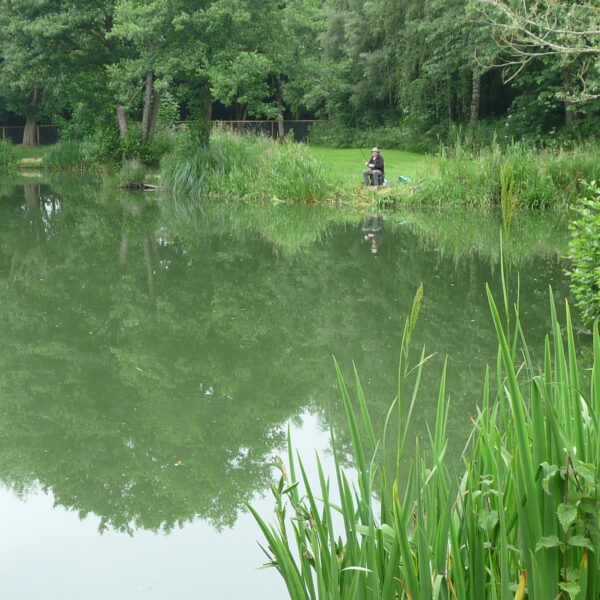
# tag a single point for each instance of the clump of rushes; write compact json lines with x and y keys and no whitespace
{"x":519,"y":520}
{"x":539,"y":178}
{"x":244,"y":167}
{"x":67,"y":155}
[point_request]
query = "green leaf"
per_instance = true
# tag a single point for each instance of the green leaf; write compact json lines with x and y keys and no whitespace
{"x":567,"y":513}
{"x":571,"y":587}
{"x":488,"y":520}
{"x":581,"y":542}
{"x":549,"y":472}
{"x":550,"y":541}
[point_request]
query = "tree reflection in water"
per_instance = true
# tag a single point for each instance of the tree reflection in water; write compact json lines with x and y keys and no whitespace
{"x":152,"y":352}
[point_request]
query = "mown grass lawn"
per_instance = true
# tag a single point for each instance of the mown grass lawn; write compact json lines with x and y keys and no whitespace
{"x":346,"y":164}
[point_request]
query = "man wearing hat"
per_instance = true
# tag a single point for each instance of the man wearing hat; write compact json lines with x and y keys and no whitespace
{"x":374,"y":174}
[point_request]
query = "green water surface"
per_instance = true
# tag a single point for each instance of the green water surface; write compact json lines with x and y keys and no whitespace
{"x":152,"y":356}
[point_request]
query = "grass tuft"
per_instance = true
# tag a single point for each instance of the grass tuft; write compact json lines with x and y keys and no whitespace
{"x":244,"y":167}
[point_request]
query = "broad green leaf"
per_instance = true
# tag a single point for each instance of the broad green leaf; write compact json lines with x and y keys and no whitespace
{"x":567,"y":513}
{"x":550,"y":541}
{"x":488,"y":520}
{"x":581,"y":542}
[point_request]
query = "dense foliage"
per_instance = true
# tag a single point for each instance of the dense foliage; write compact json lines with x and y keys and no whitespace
{"x":584,"y":251}
{"x":120,"y":68}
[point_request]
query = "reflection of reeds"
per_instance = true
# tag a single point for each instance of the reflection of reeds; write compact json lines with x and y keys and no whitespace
{"x":245,"y":167}
{"x":520,"y":516}
{"x":508,"y":201}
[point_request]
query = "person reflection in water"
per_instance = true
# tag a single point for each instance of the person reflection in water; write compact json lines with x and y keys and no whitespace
{"x":372,"y":228}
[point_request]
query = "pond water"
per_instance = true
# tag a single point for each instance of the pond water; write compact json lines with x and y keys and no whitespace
{"x":153,"y":356}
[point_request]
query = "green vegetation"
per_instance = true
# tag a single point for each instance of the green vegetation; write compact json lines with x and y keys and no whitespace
{"x":520,"y":519}
{"x":510,"y":177}
{"x":244,"y":168}
{"x":68,"y":154}
{"x":8,"y":157}
{"x":425,"y":74}
{"x":532,"y":179}
{"x":584,"y":252}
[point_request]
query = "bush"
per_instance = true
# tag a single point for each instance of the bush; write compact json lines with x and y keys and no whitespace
{"x":105,"y":146}
{"x":334,"y":134}
{"x":8,"y":158}
{"x":584,"y":252}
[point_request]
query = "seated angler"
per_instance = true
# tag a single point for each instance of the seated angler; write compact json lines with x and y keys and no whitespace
{"x":374,"y":174}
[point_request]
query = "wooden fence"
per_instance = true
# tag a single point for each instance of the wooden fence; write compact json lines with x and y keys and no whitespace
{"x":44,"y":134}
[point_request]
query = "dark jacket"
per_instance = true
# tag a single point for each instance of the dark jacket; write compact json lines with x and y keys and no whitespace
{"x":377,"y":162}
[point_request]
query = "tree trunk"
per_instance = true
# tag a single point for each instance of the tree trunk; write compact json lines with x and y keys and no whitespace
{"x":475,"y":98}
{"x":571,"y":114}
{"x":122,"y":120}
{"x":280,"y":123}
{"x":153,"y":118}
{"x":148,"y":94}
{"x":30,"y":134}
{"x":201,"y":115}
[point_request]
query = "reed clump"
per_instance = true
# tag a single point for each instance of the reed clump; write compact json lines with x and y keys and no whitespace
{"x":519,"y":519}
{"x":69,"y":155}
{"x":244,"y":167}
{"x":540,"y":178}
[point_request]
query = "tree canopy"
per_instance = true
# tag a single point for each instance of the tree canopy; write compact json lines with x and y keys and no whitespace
{"x":422,"y":65}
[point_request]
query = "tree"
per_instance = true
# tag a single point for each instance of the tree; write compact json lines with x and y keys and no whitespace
{"x":44,"y":46}
{"x":568,"y":30}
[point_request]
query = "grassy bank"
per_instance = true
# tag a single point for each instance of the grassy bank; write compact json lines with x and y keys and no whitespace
{"x":517,"y":518}
{"x":509,"y":177}
{"x":256,"y":168}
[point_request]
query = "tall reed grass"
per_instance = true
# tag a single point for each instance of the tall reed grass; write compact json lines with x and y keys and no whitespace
{"x":244,"y":167}
{"x":67,"y":155}
{"x":537,"y":178}
{"x":518,"y":518}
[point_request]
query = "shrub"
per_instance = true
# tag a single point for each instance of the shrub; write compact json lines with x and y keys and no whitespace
{"x":334,"y":134}
{"x":8,"y":158}
{"x":584,"y":252}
